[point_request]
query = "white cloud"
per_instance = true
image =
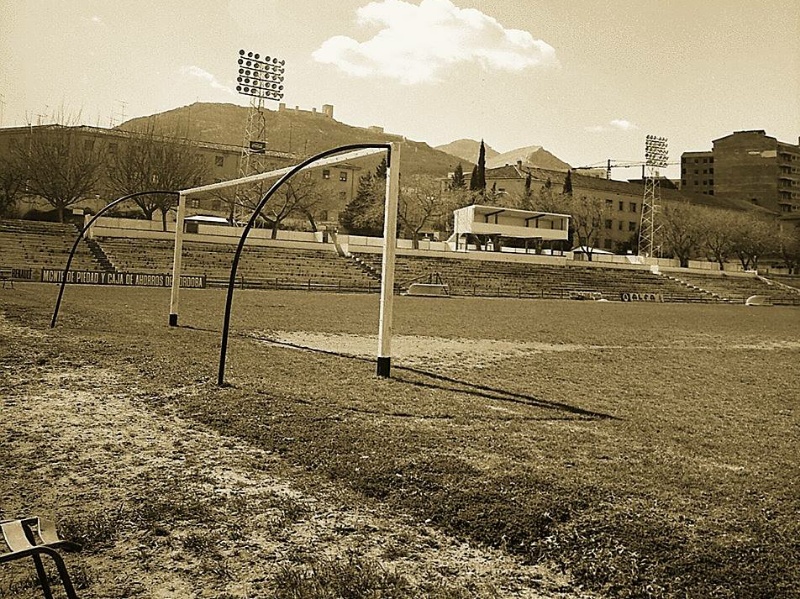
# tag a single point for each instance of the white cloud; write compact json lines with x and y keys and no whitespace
{"x":205,"y":76}
{"x":415,"y":43}
{"x":615,"y":125}
{"x":623,"y":125}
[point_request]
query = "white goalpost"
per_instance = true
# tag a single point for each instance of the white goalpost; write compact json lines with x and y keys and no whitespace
{"x":389,"y":237}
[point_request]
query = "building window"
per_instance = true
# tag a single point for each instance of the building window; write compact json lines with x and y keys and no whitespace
{"x":619,"y":225}
{"x":631,"y":226}
{"x":607,"y":244}
{"x":683,"y":182}
{"x":621,"y":205}
{"x":326,"y":174}
{"x":219,"y":160}
{"x":88,"y":144}
{"x":608,"y":223}
{"x":342,"y":196}
{"x":112,"y":148}
{"x":194,"y":203}
{"x":632,"y":206}
{"x":342,"y":175}
{"x":609,"y":203}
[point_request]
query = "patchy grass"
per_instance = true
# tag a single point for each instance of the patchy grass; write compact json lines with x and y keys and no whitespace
{"x":656,"y":457}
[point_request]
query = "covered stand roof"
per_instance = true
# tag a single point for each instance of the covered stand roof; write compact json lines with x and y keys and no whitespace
{"x":479,"y":219}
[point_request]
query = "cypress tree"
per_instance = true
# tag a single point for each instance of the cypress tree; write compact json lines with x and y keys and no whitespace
{"x":482,"y":168}
{"x":473,"y":179}
{"x":568,"y":184}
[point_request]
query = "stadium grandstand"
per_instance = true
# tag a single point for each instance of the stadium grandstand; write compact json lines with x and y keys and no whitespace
{"x":28,"y":247}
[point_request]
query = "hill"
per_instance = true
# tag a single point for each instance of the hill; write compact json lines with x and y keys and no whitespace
{"x":467,"y":150}
{"x":301,"y":132}
{"x":533,"y":156}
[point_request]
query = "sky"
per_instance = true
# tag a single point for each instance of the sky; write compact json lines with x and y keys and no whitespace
{"x":585,"y":79}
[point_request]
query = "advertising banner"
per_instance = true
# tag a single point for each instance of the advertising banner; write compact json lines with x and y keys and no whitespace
{"x":125,"y":279}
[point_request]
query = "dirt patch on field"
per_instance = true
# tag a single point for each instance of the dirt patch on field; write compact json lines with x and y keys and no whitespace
{"x":416,"y":350}
{"x":169,"y":509}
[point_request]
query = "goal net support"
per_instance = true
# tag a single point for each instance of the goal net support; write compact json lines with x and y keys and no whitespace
{"x":333,"y":156}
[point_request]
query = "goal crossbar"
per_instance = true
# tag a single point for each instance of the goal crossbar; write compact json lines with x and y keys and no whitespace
{"x":282,"y":171}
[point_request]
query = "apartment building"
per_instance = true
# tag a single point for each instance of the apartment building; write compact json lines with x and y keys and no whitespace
{"x":748,"y":166}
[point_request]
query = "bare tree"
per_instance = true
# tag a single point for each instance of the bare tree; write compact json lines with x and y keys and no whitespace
{"x":718,"y":234}
{"x":148,"y":160}
{"x":788,"y":241}
{"x":754,"y":237}
{"x":681,"y":231}
{"x":62,"y":167}
{"x":420,"y":203}
{"x":296,"y":197}
{"x":12,"y":184}
{"x":587,"y":217}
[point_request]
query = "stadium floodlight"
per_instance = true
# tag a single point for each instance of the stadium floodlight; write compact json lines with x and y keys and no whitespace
{"x":656,"y":152}
{"x":260,"y":77}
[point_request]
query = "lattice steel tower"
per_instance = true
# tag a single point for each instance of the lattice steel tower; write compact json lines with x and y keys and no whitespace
{"x":656,"y":155}
{"x":261,"y":78}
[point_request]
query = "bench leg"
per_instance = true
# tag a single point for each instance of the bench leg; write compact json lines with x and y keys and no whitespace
{"x":64,"y":575}
{"x":40,"y":572}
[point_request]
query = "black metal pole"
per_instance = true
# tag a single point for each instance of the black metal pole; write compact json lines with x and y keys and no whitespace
{"x":235,"y":264}
{"x":81,"y":234}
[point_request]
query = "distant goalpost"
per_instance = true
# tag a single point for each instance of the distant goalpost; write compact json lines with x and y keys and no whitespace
{"x":332,"y":156}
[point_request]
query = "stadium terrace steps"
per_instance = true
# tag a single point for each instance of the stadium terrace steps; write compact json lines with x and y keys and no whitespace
{"x":259,"y":266}
{"x":790,"y":283}
{"x":520,"y":279}
{"x":736,"y":289}
{"x":37,"y":245}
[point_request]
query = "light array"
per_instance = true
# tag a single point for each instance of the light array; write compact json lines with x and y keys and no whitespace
{"x":260,"y":77}
{"x":655,"y":151}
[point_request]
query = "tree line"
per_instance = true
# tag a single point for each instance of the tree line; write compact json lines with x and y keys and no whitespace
{"x":62,"y":166}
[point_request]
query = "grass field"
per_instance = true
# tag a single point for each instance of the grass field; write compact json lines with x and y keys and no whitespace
{"x":521,"y":448}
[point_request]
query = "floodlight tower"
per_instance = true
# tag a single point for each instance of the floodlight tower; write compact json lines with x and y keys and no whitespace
{"x":656,"y":155}
{"x":261,"y":78}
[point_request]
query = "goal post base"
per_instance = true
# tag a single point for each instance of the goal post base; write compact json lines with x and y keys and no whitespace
{"x":384,"y":367}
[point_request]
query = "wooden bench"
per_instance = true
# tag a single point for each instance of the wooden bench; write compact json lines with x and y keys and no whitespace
{"x":34,"y":537}
{"x":6,"y":276}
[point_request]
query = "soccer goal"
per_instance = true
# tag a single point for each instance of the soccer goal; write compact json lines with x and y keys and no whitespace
{"x":329,"y":157}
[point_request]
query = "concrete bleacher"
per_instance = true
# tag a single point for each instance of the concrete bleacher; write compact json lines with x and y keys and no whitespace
{"x":36,"y":245}
{"x":259,"y":266}
{"x":737,"y":288}
{"x":533,"y":280}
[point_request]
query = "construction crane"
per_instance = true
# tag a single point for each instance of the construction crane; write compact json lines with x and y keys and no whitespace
{"x":617,"y":164}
